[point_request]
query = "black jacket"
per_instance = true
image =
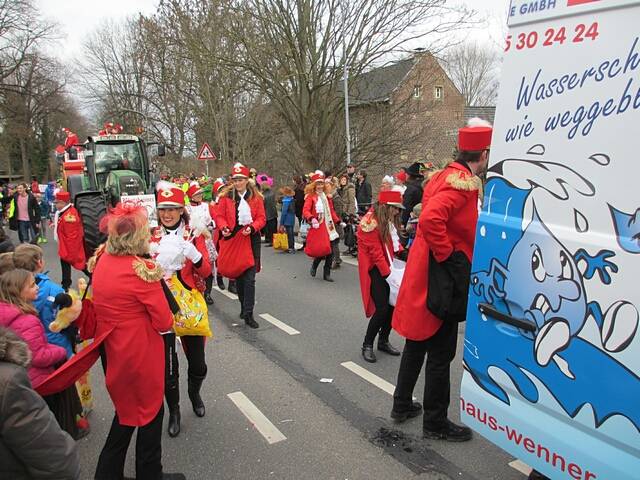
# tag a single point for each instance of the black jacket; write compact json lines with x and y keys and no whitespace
{"x":363,"y":195}
{"x":269,"y":200}
{"x":412,"y":196}
{"x":32,"y":206}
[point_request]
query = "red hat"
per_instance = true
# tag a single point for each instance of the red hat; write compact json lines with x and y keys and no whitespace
{"x":476,"y":136}
{"x":402,"y":176}
{"x":390,"y":197}
{"x":217,"y":185}
{"x":240,"y":171}
{"x":169,"y":196}
{"x":194,"y":189}
{"x":317,"y":176}
{"x":63,"y":196}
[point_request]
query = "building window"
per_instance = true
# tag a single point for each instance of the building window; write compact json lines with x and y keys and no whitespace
{"x":438,"y":93}
{"x":417,"y":91}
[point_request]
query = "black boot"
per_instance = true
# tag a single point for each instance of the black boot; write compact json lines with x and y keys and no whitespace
{"x":208,"y":299}
{"x":174,"y":421}
{"x":327,"y":272}
{"x":314,"y":269}
{"x":400,"y":416}
{"x":220,"y":282}
{"x":195,"y":382}
{"x":250,"y":321}
{"x":232,"y":286}
{"x":367,"y":353}
{"x":450,"y":432}
{"x":385,"y":346}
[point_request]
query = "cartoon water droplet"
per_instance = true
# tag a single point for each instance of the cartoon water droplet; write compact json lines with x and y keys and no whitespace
{"x":483,"y":230}
{"x":537,"y":149}
{"x":484,"y":317}
{"x":601,"y":159}
{"x":580,"y":221}
{"x":504,"y":235}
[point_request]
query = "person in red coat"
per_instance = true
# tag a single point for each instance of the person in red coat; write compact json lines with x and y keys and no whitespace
{"x":319,"y":213}
{"x":132,"y":309}
{"x":240,"y":215}
{"x":443,"y":243}
{"x":69,"y":234}
{"x":378,"y":244}
{"x":180,"y":251}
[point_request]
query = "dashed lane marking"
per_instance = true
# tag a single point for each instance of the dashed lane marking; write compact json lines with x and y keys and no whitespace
{"x":280,"y":324}
{"x":521,"y":467}
{"x":227,"y":294}
{"x":381,"y":383}
{"x":349,"y":260}
{"x":267,"y":429}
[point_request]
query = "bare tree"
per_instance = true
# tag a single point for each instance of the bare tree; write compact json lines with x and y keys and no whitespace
{"x":474,"y":70}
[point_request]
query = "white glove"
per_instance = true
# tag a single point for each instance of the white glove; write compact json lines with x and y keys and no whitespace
{"x":315,"y":223}
{"x":191,"y":252}
{"x":342,"y":224}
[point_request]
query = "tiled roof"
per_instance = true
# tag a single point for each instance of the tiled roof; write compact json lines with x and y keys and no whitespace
{"x":378,"y":84}
{"x":485,"y":113}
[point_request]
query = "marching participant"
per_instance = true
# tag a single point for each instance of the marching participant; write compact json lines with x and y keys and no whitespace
{"x":69,"y":234}
{"x":201,"y":220}
{"x":182,"y":253}
{"x":378,"y":243}
{"x":433,"y":295}
{"x":319,"y":213}
{"x":240,"y":216}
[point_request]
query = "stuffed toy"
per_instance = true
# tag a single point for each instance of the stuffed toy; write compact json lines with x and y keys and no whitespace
{"x":70,"y":307}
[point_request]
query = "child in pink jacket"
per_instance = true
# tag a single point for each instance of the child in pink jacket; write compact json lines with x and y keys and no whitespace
{"x":18,"y":290}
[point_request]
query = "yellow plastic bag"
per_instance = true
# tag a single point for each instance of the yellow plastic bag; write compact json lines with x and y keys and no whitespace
{"x":280,"y":241}
{"x":193,"y":318}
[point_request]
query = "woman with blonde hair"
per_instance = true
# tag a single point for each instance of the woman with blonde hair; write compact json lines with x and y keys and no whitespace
{"x":319,"y":213}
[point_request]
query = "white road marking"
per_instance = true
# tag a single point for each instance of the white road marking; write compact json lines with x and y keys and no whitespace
{"x":267,"y":429}
{"x":227,"y":294}
{"x":381,"y":383}
{"x":280,"y":324}
{"x":521,"y":467}
{"x":350,"y":260}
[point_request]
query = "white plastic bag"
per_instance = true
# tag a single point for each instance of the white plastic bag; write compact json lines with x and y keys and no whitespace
{"x":395,"y":280}
{"x":304,"y":229}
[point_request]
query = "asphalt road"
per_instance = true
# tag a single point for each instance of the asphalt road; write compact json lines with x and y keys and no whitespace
{"x":317,"y":417}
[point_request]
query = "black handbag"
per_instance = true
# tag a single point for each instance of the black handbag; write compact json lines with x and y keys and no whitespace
{"x":349,"y":236}
{"x":448,"y":288}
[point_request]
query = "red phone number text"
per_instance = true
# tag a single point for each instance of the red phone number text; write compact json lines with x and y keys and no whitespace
{"x":552,"y":36}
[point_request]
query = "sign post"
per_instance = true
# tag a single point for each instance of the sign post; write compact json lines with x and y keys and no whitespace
{"x":205,"y":154}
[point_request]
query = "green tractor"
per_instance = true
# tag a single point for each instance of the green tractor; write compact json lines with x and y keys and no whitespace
{"x":114,"y":165}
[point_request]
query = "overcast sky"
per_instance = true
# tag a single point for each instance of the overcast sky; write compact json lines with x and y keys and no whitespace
{"x":77,"y":18}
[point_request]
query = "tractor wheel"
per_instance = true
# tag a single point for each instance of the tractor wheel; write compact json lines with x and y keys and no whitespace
{"x":92,"y":208}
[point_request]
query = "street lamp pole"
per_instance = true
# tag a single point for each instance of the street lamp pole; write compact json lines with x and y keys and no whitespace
{"x":346,"y":83}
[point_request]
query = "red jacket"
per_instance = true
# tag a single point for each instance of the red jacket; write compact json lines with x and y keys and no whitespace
{"x":224,"y":214}
{"x":71,"y":238}
{"x":447,"y":224}
{"x":128,"y":298}
{"x":371,"y":253}
{"x":318,"y":242}
{"x":192,"y":276}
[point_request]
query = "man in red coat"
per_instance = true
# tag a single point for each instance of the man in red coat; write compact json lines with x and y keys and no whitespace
{"x":428,"y":315}
{"x":69,"y":234}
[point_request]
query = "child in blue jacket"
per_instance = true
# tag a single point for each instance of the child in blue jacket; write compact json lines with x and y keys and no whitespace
{"x":288,"y":215}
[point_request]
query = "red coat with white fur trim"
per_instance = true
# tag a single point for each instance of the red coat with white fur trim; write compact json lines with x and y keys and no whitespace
{"x":225,"y":211}
{"x":371,"y":253}
{"x":318,"y":238}
{"x":447,"y":224}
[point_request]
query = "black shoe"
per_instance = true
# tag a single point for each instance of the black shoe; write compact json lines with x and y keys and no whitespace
{"x":536,"y":475}
{"x":173,"y":476}
{"x":174,"y":421}
{"x":250,"y":321}
{"x":220,"y":282}
{"x":232,"y":287}
{"x":241,"y":316}
{"x":314,"y":270}
{"x":451,"y":433}
{"x":387,"y":348}
{"x":194,"y":395}
{"x":208,"y":299}
{"x":367,"y":354}
{"x":400,"y":416}
{"x":327,"y":277}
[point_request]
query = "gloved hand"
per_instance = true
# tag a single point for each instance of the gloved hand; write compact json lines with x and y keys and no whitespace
{"x":315,"y":223}
{"x":191,"y":252}
{"x":342,"y":224}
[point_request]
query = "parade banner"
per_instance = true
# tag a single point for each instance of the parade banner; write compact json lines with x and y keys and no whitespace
{"x":551,"y":353}
{"x":148,"y":201}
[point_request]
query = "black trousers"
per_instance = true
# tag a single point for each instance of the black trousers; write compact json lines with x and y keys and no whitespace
{"x":328,"y":261}
{"x":194,"y":351}
{"x":66,"y":274}
{"x":148,"y":450}
{"x":380,"y":322}
{"x":246,"y":287}
{"x":269,"y":229}
{"x":440,"y":350}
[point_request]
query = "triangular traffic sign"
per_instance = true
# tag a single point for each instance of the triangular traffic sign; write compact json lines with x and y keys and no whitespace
{"x":206,"y":153}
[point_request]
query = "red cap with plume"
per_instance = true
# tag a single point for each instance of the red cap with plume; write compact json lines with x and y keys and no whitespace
{"x":124,"y":218}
